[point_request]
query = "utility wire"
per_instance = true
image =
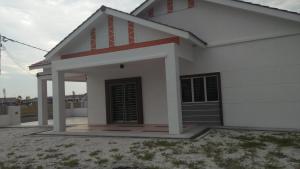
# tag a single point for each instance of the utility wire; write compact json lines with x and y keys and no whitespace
{"x":14,"y":59}
{"x":5,"y":39}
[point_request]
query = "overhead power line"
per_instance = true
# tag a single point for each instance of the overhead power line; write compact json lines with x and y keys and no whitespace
{"x":15,"y":60}
{"x":5,"y":39}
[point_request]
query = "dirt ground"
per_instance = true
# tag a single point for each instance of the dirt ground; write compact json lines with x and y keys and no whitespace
{"x":219,"y":148}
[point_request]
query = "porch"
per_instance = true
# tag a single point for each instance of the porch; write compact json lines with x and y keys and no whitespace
{"x":157,"y":67}
{"x":143,"y":131}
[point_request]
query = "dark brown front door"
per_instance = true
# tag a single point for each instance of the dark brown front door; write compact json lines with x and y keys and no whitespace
{"x":124,"y":101}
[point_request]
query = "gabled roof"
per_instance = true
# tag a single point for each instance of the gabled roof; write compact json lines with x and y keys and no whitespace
{"x":272,"y":11}
{"x":141,"y":7}
{"x":155,"y":25}
{"x":122,"y":15}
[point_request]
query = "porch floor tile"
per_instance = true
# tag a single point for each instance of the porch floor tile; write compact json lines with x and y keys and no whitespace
{"x":132,"y":131}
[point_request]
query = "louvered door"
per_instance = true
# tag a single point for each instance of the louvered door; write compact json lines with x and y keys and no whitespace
{"x":124,"y":103}
{"x":130,"y":101}
{"x":117,"y":102}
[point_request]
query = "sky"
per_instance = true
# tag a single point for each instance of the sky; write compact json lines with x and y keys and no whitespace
{"x":44,"y":23}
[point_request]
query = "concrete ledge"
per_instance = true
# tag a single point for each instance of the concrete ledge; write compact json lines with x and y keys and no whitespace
{"x":257,"y":128}
{"x":188,"y":134}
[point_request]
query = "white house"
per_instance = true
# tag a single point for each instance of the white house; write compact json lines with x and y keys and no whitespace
{"x":205,"y":62}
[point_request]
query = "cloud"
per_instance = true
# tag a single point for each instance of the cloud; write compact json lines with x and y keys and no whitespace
{"x":43,"y":24}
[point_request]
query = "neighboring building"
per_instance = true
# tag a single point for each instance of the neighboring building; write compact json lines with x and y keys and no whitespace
{"x":205,"y":62}
{"x":10,"y":101}
{"x":69,"y":98}
{"x":82,"y":98}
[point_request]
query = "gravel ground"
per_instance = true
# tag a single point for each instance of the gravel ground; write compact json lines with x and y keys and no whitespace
{"x":219,"y":148}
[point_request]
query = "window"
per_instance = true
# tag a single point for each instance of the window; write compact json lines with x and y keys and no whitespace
{"x":200,"y":88}
{"x":212,"y":88}
{"x":199,"y":93}
{"x":186,"y":88}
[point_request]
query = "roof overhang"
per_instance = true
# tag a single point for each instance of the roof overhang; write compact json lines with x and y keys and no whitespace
{"x":142,"y":7}
{"x":271,"y":11}
{"x":275,"y":12}
{"x":40,"y":65}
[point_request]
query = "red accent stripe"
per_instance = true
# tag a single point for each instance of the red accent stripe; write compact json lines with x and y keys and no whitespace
{"x":123,"y":47}
{"x":170,"y":6}
{"x":111,"y":34}
{"x":151,"y":12}
{"x":93,"y":39}
{"x":191,"y":3}
{"x":131,"y":32}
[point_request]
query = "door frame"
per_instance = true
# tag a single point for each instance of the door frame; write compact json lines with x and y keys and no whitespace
{"x":138,"y":81}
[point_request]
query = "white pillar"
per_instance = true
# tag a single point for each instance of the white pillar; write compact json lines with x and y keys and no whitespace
{"x":42,"y":102}
{"x":59,"y":117}
{"x":173,"y":93}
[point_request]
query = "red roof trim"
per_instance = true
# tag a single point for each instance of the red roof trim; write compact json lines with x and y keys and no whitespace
{"x":123,"y":47}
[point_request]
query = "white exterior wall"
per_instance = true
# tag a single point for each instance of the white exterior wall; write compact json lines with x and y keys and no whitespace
{"x":143,"y":34}
{"x":13,"y":116}
{"x":260,"y":78}
{"x":76,"y":112}
{"x":121,"y":31}
{"x":260,"y":81}
{"x":152,"y":73}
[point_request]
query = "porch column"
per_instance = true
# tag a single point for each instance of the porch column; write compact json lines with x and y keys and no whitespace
{"x":173,"y":93}
{"x":42,"y":102}
{"x":59,"y":117}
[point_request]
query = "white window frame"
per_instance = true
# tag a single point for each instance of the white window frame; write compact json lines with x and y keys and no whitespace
{"x":205,"y":89}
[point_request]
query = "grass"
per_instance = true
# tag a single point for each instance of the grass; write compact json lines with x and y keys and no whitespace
{"x":231,"y":148}
{"x":95,"y":153}
{"x":51,"y":150}
{"x":280,"y":141}
{"x":196,"y":165}
{"x":160,"y":143}
{"x":10,"y":154}
{"x":51,"y":156}
{"x":70,"y":163}
{"x":114,"y":150}
{"x":69,"y":157}
{"x":252,"y":145}
{"x":244,"y":138}
{"x":278,"y":154}
{"x":101,"y":161}
{"x":211,"y":148}
{"x":69,"y":145}
{"x":178,"y":163}
{"x":146,"y":156}
{"x":193,"y":149}
{"x":21,"y":156}
{"x":112,"y":142}
{"x":117,"y":157}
